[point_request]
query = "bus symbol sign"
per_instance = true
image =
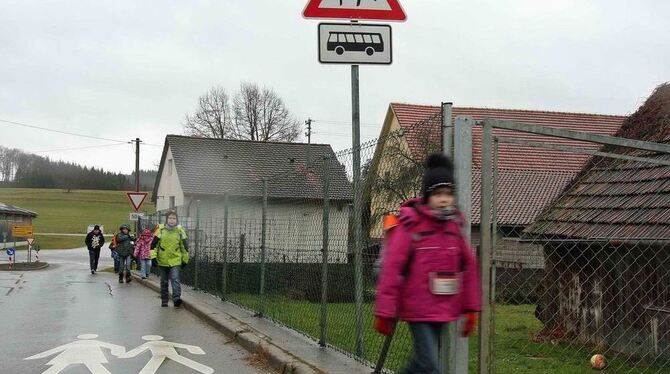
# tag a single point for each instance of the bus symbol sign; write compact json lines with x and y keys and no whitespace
{"x":354,"y":43}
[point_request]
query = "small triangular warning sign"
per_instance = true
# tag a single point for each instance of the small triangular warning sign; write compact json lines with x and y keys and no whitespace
{"x":30,"y":241}
{"x":137,"y":199}
{"x":388,"y":10}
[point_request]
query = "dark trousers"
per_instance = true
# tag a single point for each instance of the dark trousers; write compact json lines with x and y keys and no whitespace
{"x":94,"y":256}
{"x":170,"y":274}
{"x":426,"y":337}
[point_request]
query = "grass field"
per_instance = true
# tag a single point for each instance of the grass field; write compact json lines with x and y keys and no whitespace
{"x":514,"y":349}
{"x":65,"y":212}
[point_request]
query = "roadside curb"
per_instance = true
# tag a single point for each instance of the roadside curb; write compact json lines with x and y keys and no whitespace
{"x":243,"y":334}
{"x":21,"y":267}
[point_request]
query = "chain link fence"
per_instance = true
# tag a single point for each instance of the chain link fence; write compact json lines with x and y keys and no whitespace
{"x":591,"y":273}
{"x":289,"y":254}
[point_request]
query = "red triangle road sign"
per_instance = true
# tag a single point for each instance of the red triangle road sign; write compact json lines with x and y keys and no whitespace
{"x":30,"y":241}
{"x":137,"y":199}
{"x":388,"y":10}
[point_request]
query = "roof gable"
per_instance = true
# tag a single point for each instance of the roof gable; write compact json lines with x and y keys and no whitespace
{"x":11,"y":209}
{"x":237,"y":167}
{"x":616,"y":199}
{"x":521,"y":168}
{"x":513,"y":156}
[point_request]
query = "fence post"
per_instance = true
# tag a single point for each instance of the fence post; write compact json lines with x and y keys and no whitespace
{"x":263,"y":234}
{"x":224,"y":271}
{"x":458,"y":346}
{"x":324,"y":249}
{"x":197,"y":244}
{"x":357,"y":207}
{"x":447,"y":337}
{"x":494,"y":238}
{"x":485,"y":255}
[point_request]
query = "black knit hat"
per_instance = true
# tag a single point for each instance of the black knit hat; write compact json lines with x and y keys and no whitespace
{"x":439,"y":173}
{"x":96,"y":227}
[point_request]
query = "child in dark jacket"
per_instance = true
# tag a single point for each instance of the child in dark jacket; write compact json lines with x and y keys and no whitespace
{"x":94,"y":241}
{"x":429,"y":275}
{"x":124,"y":248}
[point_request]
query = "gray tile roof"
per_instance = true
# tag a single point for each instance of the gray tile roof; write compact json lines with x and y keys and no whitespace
{"x":218,"y":166}
{"x":10,"y":209}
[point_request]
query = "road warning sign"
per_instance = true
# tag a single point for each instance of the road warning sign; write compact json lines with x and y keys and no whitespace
{"x":137,"y":199}
{"x":387,"y":10}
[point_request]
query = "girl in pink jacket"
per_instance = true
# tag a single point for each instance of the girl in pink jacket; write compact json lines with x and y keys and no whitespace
{"x":429,"y":275}
{"x":143,"y":252}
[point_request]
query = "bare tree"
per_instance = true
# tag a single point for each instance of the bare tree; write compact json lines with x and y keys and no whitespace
{"x":260,"y":114}
{"x":256,"y":114}
{"x":213,"y":117}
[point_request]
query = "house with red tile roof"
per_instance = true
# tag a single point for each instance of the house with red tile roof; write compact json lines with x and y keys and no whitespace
{"x":606,"y":241}
{"x":529,"y":177}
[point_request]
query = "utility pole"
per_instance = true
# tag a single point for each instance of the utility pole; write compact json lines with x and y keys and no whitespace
{"x":137,"y":164}
{"x":309,"y":140}
{"x":137,"y":176}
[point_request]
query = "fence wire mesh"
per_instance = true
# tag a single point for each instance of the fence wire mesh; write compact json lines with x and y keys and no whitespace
{"x":589,"y":272}
{"x":580,"y":260}
{"x":290,"y":256}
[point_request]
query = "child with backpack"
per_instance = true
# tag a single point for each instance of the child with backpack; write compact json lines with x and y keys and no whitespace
{"x":114,"y":253}
{"x":171,"y":246}
{"x":124,"y":248}
{"x":143,"y":252}
{"x":429,"y":275}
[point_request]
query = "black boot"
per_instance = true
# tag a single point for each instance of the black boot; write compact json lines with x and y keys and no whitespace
{"x":120,"y":277}
{"x":129,"y":277}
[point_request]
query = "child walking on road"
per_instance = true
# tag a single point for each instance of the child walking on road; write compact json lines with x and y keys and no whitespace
{"x":143,"y":252}
{"x":429,"y":275}
{"x":94,"y":241}
{"x":124,"y":248}
{"x":171,"y":246}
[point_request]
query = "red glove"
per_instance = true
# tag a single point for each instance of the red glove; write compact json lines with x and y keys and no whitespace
{"x":470,"y":323}
{"x":384,"y":326}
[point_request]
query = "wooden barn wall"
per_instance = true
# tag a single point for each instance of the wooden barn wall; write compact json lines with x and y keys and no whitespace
{"x":608,"y":296}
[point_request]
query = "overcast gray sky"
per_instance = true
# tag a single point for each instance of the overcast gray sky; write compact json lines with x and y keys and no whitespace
{"x":124,"y":69}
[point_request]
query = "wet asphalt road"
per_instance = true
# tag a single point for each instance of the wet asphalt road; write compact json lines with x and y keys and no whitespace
{"x":42,"y":310}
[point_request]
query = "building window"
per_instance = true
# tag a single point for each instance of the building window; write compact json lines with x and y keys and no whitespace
{"x":171,"y":202}
{"x":170,"y":167}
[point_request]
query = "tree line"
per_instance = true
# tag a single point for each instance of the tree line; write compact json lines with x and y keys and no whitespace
{"x":25,"y":170}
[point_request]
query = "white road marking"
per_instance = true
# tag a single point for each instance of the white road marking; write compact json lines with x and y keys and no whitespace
{"x":84,"y":351}
{"x":160,"y":350}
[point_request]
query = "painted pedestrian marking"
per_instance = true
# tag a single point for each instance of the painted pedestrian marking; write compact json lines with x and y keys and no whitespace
{"x":160,"y":350}
{"x":84,"y":351}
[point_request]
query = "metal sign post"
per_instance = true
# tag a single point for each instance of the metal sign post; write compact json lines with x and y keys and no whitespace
{"x":355,"y":44}
{"x":358,"y":255}
{"x":11,"y":252}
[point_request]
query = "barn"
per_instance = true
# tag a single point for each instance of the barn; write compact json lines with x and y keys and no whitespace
{"x":606,"y":241}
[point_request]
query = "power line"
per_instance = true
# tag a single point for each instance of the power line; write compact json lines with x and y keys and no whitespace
{"x":61,"y":132}
{"x":77,"y":148}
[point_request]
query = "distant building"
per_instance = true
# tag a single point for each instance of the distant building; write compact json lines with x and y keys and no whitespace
{"x":530,"y":178}
{"x":209,"y":170}
{"x":12,"y":215}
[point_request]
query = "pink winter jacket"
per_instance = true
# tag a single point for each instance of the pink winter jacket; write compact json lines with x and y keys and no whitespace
{"x":143,"y":245}
{"x":419,"y":246}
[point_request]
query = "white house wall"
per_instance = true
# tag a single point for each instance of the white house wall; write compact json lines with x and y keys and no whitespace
{"x":294,"y":230}
{"x":169,"y":185}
